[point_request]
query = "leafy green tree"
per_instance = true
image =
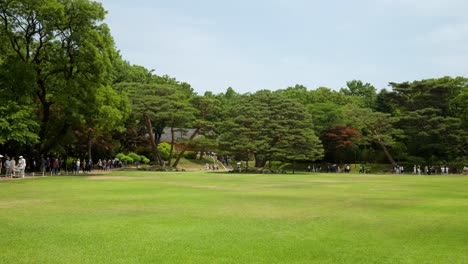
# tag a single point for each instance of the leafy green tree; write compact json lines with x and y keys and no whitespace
{"x":325,"y":115}
{"x":375,"y":128}
{"x":364,"y":91}
{"x":160,"y":106}
{"x":146,"y":103}
{"x":433,"y":117}
{"x":291,"y":133}
{"x":298,"y":93}
{"x":65,"y":51}
{"x":433,"y":136}
{"x":327,"y":95}
{"x":205,"y":109}
{"x":17,"y":124}
{"x":383,"y":102}
{"x":230,"y":94}
{"x":459,"y":106}
{"x":267,"y":126}
{"x":179,"y":115}
{"x":98,"y":127}
{"x":204,"y":143}
{"x":241,"y":130}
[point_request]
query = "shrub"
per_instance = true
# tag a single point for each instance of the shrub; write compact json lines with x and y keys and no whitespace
{"x":120,"y":156}
{"x":165,"y":150}
{"x":126,"y":159}
{"x":190,"y":155}
{"x":144,"y":159}
{"x":134,"y":156}
{"x":144,"y":150}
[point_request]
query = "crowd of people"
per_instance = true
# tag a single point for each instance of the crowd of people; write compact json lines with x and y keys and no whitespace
{"x":417,"y":169}
{"x":84,"y":166}
{"x":10,"y":167}
{"x":13,"y":168}
{"x":214,"y":167}
{"x":428,"y":170}
{"x":330,"y":168}
{"x":424,"y":170}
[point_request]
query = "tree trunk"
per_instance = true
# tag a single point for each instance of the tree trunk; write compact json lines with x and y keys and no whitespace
{"x":154,"y":147}
{"x":259,"y":162}
{"x":44,"y":148}
{"x":202,"y":151}
{"x":387,"y":154}
{"x":181,"y":154}
{"x":90,"y":143}
{"x":66,"y":159}
{"x":172,"y":146}
{"x":384,"y":148}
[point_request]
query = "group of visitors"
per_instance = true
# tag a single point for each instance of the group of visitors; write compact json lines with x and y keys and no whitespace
{"x":81,"y":166}
{"x":50,"y":165}
{"x":213,"y":167}
{"x":12,"y":168}
{"x":398,"y":169}
{"x":428,"y":170}
{"x":224,"y":160}
{"x":313,"y":168}
{"x":332,"y":168}
{"x":108,"y":164}
{"x":363,"y":169}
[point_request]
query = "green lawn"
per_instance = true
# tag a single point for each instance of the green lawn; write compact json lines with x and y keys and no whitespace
{"x":143,"y":217}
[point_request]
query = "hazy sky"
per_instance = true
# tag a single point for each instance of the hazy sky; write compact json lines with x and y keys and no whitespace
{"x":258,"y":44}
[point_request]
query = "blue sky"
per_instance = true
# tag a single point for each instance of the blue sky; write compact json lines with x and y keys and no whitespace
{"x":259,"y":44}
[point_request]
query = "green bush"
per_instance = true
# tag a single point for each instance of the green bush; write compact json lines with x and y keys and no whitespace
{"x":190,"y":155}
{"x":165,"y":150}
{"x":144,"y":159}
{"x":134,"y":156}
{"x":120,"y":156}
{"x":145,"y":151}
{"x":127,"y":159}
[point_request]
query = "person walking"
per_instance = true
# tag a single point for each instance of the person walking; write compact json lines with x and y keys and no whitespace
{"x":13,"y":167}
{"x":7,"y":167}
{"x":78,"y":166}
{"x":55,"y":166}
{"x":21,"y":166}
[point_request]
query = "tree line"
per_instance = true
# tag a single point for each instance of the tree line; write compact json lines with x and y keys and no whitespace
{"x":66,"y":90}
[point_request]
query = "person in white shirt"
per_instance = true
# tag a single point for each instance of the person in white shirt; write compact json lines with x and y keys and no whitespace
{"x":21,"y":166}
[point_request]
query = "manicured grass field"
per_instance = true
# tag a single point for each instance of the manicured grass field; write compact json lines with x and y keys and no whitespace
{"x":142,"y":217}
